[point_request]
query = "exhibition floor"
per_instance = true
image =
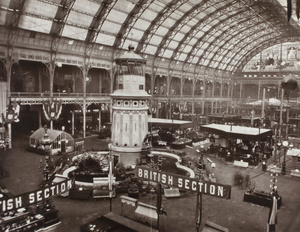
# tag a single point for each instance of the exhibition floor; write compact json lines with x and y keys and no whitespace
{"x":24,"y":175}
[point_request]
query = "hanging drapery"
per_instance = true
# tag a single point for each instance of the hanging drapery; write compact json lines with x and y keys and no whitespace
{"x":12,"y":114}
{"x":52,"y":109}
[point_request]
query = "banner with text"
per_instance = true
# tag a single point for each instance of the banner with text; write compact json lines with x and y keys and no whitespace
{"x":35,"y":196}
{"x":185,"y":183}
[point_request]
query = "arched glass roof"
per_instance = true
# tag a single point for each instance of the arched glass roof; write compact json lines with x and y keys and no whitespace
{"x":213,"y":34}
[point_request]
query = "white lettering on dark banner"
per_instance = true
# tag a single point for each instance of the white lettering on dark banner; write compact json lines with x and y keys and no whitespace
{"x":35,"y":196}
{"x":182,"y":182}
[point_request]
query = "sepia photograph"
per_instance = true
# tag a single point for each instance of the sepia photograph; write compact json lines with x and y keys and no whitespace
{"x":149,"y":116}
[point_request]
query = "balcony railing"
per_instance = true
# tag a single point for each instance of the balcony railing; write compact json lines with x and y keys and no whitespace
{"x":55,"y":95}
{"x":36,"y":95}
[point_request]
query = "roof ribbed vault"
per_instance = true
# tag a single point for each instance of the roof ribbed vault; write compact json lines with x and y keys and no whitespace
{"x":205,"y":34}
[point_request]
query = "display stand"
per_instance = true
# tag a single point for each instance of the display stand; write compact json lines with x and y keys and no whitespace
{"x":51,"y":217}
{"x":22,"y":221}
{"x":101,"y":187}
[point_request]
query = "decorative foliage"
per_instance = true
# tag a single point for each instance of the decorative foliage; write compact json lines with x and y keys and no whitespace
{"x":101,"y":159}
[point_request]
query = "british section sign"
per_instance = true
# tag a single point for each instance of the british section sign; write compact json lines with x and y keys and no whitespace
{"x":34,"y":197}
{"x":184,"y":183}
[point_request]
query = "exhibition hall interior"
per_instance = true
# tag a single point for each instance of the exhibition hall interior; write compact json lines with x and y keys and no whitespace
{"x":149,"y":115}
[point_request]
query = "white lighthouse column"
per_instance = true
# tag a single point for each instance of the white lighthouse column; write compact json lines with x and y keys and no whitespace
{"x":129,"y":108}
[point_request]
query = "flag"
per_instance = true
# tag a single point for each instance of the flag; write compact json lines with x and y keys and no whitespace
{"x":289,"y":9}
{"x":110,"y":175}
{"x":273,"y":212}
{"x":159,"y":199}
{"x":290,"y":4}
{"x":297,"y":8}
{"x":198,"y":217}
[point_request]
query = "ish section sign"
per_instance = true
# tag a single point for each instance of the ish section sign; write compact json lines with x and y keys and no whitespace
{"x":34,"y":197}
{"x":185,"y":183}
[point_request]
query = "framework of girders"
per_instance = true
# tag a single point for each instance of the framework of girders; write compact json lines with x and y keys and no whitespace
{"x":96,"y":25}
{"x":59,"y":21}
{"x":256,"y":50}
{"x":176,"y":28}
{"x":235,"y":40}
{"x":157,"y":22}
{"x":238,"y":27}
{"x":131,"y":19}
{"x":13,"y":19}
{"x":195,"y":29}
{"x":223,"y":51}
{"x":173,"y":30}
{"x":259,"y":40}
{"x":223,"y":40}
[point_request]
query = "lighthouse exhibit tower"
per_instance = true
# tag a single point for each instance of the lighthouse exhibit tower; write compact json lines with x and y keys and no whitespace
{"x":129,"y":108}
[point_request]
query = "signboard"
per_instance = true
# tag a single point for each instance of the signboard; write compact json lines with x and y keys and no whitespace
{"x":35,"y":196}
{"x":185,"y":183}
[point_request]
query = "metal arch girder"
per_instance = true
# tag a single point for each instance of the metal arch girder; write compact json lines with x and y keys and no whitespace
{"x":238,"y":23}
{"x":190,"y":54}
{"x":275,"y":14}
{"x":96,"y":25}
{"x":206,"y":33}
{"x":254,"y":51}
{"x":228,"y":39}
{"x":262,"y":32}
{"x":195,"y":29}
{"x":17,"y":7}
{"x":59,"y":21}
{"x":248,"y":45}
{"x":214,"y":55}
{"x":156,"y":23}
{"x":257,"y":50}
{"x":182,"y":43}
{"x":168,"y":37}
{"x":217,"y":38}
{"x":229,"y":50}
{"x":275,"y":8}
{"x":97,"y":20}
{"x":131,"y":19}
{"x":241,"y":48}
{"x":207,"y":67}
{"x":14,"y":21}
{"x":282,"y":40}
